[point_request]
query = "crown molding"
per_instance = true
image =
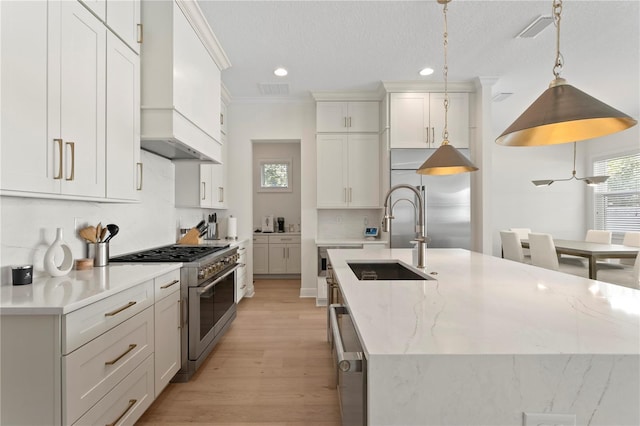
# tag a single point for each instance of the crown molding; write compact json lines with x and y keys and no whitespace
{"x":224,"y":94}
{"x":427,"y":86}
{"x":196,"y":18}
{"x":274,"y":100}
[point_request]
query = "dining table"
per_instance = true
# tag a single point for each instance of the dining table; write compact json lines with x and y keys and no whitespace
{"x":592,"y":251}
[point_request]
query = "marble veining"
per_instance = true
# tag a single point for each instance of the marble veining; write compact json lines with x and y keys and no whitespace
{"x":492,"y":339}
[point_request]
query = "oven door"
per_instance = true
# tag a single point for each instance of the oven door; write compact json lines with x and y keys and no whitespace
{"x":209,"y":304}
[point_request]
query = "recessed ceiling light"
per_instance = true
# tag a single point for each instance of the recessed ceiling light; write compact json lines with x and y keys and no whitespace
{"x":426,"y":71}
{"x":280,"y":72}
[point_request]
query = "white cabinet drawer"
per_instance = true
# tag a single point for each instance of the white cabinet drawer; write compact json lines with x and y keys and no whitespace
{"x":284,"y":239}
{"x":81,"y":326}
{"x":260,"y":239}
{"x":166,"y":284}
{"x":95,"y":368}
{"x":125,"y":403}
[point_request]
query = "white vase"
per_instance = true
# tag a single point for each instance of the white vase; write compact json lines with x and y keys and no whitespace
{"x":50,"y":257}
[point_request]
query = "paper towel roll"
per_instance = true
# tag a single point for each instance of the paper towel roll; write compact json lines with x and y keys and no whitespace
{"x":232,"y":228}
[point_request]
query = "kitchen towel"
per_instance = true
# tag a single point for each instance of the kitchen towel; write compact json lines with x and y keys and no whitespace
{"x":232,"y":228}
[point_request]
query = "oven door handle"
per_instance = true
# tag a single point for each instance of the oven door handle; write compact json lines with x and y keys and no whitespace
{"x":210,"y":286}
{"x":350,"y":362}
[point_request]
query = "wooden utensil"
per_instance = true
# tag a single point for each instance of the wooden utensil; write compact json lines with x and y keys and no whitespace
{"x":98,"y":231}
{"x":89,"y":234}
{"x":102,"y":235}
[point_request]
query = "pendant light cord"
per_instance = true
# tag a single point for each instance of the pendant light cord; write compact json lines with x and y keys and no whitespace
{"x":557,"y":11}
{"x":445,"y":70}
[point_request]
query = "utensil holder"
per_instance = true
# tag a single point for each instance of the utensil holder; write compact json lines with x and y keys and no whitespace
{"x":99,"y":252}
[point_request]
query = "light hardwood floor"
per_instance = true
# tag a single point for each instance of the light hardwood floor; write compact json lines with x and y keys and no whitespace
{"x":272,"y":367}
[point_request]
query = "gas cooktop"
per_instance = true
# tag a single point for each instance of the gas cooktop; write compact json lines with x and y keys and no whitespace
{"x":172,"y":253}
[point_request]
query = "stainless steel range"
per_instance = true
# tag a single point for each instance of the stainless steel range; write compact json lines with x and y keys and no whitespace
{"x":207,"y":296}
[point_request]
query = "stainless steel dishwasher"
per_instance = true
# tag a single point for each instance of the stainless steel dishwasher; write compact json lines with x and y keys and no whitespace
{"x":350,"y":367}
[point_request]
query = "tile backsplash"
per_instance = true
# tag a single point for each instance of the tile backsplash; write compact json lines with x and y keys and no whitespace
{"x":28,"y":225}
{"x":347,"y":224}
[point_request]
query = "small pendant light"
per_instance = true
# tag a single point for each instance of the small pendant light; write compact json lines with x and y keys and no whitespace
{"x":447,"y":160}
{"x":563,"y":113}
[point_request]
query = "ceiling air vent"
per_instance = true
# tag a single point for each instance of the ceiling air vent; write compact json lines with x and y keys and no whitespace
{"x":536,"y":27}
{"x":274,"y":89}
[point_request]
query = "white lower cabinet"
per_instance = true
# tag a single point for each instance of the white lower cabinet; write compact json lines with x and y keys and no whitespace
{"x":241,"y":275}
{"x":260,"y":254}
{"x":95,"y":368}
{"x":167,"y":321}
{"x":276,"y":254}
{"x":104,"y":363}
{"x":126,"y":402}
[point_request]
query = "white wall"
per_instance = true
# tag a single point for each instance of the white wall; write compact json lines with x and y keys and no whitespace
{"x":28,"y":225}
{"x":278,"y":204}
{"x":348,"y":224}
{"x":256,"y":120}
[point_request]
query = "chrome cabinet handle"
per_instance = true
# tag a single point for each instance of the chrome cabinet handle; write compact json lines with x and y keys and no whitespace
{"x":140,"y":172}
{"x":428,"y":135}
{"x":73,"y":160}
{"x":117,"y":311}
{"x":113,"y":361}
{"x":140,"y":33}
{"x":344,"y":119}
{"x":132,"y":402}
{"x":59,"y":175}
{"x":204,"y":188}
{"x":349,"y":122}
{"x":220,"y":194}
{"x":350,"y":194}
{"x":433,"y":135}
{"x":170,"y":284}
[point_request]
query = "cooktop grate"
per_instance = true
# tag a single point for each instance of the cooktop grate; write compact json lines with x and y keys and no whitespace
{"x":173,"y":253}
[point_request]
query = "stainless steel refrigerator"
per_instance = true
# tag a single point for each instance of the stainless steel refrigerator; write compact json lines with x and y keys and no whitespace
{"x":447,"y":202}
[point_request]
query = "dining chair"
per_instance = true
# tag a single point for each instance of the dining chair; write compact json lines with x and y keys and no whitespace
{"x":630,"y":239}
{"x":511,"y":246}
{"x":598,"y":236}
{"x":523,"y":234}
{"x":543,"y":251}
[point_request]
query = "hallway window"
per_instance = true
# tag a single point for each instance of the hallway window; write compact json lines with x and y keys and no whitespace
{"x":274,"y":176}
{"x":617,"y":201}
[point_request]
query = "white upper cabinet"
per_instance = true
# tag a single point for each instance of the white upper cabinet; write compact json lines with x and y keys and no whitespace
{"x":417,"y":120}
{"x":54,"y":76}
{"x":53,"y":140}
{"x":124,"y":170}
{"x":347,"y":117}
{"x":348,"y":170}
{"x":123,"y":17}
{"x":181,"y":91}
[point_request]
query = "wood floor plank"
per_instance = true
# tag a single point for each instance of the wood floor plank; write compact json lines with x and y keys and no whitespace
{"x":273,"y":367}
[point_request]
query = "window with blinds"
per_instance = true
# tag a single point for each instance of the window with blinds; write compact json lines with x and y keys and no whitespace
{"x":617,"y":201}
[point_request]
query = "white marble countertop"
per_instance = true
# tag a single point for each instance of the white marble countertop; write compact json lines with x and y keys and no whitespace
{"x":482,"y":304}
{"x":61,"y":295}
{"x":276,"y":233}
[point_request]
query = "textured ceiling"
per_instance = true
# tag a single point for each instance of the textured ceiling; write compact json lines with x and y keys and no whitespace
{"x":354,"y":45}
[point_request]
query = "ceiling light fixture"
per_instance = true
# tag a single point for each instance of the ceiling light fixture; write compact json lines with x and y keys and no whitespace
{"x":589,"y":180}
{"x":426,"y":71}
{"x":280,"y":72}
{"x":447,"y":160}
{"x":563,"y":113}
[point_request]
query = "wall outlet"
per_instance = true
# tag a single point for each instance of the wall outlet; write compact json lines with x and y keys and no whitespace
{"x":548,"y":419}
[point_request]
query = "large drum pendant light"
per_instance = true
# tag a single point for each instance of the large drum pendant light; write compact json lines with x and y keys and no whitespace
{"x":563,"y":113}
{"x":447,"y":160}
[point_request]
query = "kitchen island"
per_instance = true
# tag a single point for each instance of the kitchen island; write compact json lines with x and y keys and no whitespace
{"x":491,"y":339}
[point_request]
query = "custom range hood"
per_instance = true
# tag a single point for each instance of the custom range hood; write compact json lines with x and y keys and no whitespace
{"x":181,"y":89}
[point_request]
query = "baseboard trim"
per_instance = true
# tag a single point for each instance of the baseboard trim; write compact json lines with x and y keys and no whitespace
{"x":308,"y":292}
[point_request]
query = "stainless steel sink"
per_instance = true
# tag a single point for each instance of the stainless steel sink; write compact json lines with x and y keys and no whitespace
{"x":392,"y":270}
